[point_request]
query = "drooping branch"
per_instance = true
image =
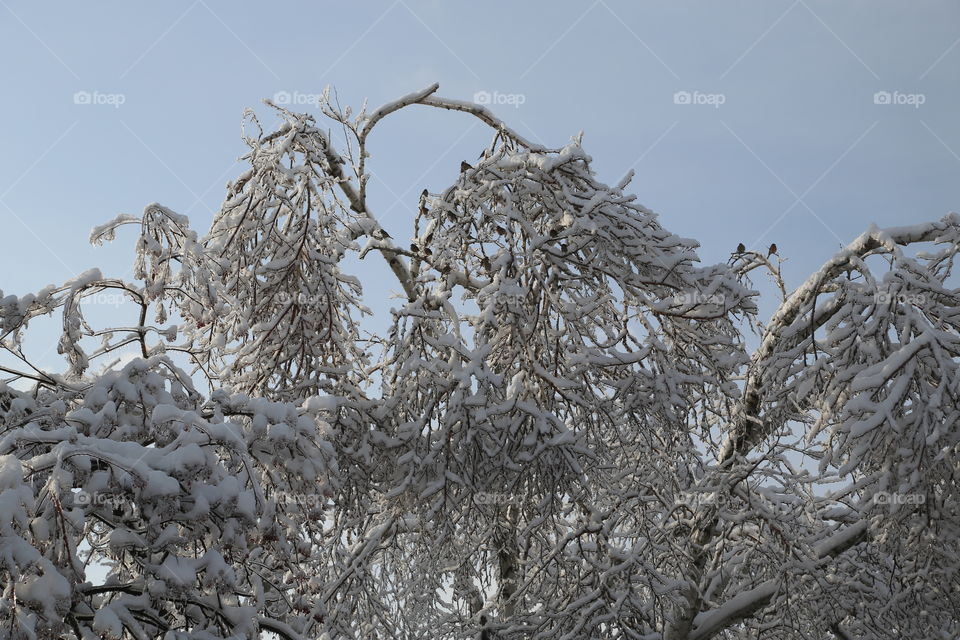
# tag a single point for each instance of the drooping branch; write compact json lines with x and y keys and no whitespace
{"x":357,"y":198}
{"x":747,"y":603}
{"x":750,"y":428}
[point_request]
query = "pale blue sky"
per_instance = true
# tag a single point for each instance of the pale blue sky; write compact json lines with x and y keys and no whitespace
{"x":799,"y":153}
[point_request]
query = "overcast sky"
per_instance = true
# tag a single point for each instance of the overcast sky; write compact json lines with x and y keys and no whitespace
{"x":795,"y":122}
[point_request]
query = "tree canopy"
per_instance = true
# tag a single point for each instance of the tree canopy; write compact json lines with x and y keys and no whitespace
{"x":572,"y":429}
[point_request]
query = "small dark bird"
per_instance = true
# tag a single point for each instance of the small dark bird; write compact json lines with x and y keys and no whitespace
{"x":464,"y":166}
{"x":772,"y":250}
{"x":413,"y":247}
{"x":741,"y":248}
{"x":423,"y":202}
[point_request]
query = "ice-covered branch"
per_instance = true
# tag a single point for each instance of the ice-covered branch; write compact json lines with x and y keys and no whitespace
{"x":747,"y":603}
{"x":750,"y":426}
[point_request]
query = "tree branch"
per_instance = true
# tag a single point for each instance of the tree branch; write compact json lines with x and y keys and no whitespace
{"x":750,"y":428}
{"x":745,"y":604}
{"x":484,"y":115}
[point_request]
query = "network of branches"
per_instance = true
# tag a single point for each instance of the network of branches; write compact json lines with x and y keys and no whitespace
{"x":564,"y":434}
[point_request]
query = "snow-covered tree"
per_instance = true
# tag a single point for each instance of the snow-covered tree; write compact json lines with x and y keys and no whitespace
{"x":572,"y":428}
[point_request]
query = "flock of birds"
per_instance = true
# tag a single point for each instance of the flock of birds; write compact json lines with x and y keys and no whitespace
{"x":742,"y":248}
{"x":465,"y":166}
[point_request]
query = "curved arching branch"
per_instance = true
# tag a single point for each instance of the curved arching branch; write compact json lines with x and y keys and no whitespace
{"x":750,"y":427}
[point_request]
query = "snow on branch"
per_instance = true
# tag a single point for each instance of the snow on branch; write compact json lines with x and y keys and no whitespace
{"x":560,"y":434}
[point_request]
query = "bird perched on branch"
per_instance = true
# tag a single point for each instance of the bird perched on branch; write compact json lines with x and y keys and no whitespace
{"x":423,"y":202}
{"x":741,"y":248}
{"x":464,"y":166}
{"x":772,"y":250}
